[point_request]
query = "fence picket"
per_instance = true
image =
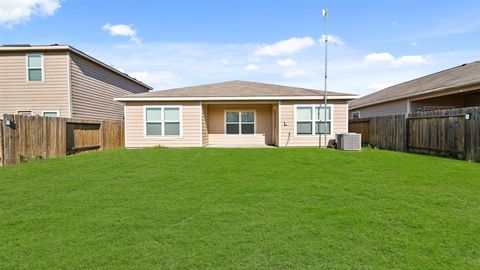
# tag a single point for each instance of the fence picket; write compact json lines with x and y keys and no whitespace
{"x":442,"y":133}
{"x":37,"y":137}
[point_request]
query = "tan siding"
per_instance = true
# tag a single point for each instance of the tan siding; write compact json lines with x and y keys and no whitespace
{"x":204,"y":125}
{"x":393,"y":107}
{"x":216,"y":124}
{"x":222,"y":140}
{"x":287,"y":133}
{"x":135,"y":126}
{"x":93,"y":90}
{"x":18,"y":94}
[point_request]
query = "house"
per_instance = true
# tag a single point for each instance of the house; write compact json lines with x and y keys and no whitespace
{"x":58,"y":80}
{"x":235,"y":113}
{"x":456,"y":87}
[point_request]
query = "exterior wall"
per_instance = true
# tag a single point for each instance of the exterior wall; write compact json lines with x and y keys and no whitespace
{"x":94,"y":87}
{"x":287,"y":123}
{"x":445,"y":102}
{"x":204,"y":125}
{"x":472,"y":100}
{"x":451,"y":101}
{"x":216,"y":125}
{"x":388,"y":108}
{"x":16,"y":94}
{"x":191,"y":126}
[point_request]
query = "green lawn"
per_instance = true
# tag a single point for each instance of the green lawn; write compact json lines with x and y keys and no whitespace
{"x":240,"y":208}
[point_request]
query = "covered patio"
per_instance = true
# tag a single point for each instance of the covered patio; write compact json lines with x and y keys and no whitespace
{"x":248,"y":124}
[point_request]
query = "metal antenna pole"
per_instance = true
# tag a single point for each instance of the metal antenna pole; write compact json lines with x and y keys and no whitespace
{"x":325,"y":19}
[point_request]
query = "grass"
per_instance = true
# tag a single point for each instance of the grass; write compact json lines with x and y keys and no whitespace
{"x":240,"y":208}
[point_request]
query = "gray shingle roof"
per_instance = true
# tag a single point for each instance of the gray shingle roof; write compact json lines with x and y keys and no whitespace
{"x":237,"y":89}
{"x":462,"y":75}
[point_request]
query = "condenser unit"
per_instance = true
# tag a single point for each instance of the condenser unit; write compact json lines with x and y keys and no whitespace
{"x":349,"y":141}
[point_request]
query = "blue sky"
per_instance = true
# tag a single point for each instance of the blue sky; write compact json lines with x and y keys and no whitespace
{"x":374,"y":44}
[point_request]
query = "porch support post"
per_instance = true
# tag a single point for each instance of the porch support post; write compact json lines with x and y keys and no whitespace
{"x":279,"y":111}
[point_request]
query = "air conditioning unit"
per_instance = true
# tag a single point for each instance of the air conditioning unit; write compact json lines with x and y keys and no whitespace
{"x":349,"y":141}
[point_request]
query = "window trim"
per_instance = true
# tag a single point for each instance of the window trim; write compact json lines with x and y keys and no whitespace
{"x":51,"y":111}
{"x":42,"y":66}
{"x":31,"y":112}
{"x":353,"y":113}
{"x":145,"y":107}
{"x":313,"y":119}
{"x":240,"y":121}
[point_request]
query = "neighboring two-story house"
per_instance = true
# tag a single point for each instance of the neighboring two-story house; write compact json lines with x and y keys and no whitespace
{"x":57,"y":80}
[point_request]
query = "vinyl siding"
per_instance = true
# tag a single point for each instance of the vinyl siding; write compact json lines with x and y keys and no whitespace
{"x":94,"y":87}
{"x":388,"y":108}
{"x":204,"y":125}
{"x":216,"y":125}
{"x":287,"y":132}
{"x":16,"y":94}
{"x":135,"y":126}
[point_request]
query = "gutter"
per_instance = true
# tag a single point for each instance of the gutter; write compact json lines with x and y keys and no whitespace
{"x":252,"y":98}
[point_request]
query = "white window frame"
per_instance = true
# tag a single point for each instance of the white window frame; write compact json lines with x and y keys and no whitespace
{"x":239,"y":111}
{"x":24,"y":111}
{"x":163,"y":136}
{"x":42,"y":66}
{"x":356,"y":112}
{"x":313,"y":119}
{"x":51,"y":111}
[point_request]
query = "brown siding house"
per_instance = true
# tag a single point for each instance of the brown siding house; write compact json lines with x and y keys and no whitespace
{"x":61,"y":81}
{"x":456,"y":87}
{"x":233,"y":114}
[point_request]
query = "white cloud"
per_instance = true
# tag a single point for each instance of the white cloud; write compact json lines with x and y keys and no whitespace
{"x":251,"y":67}
{"x":286,"y":47}
{"x":160,"y":79}
{"x":378,"y":57}
{"x":167,"y":65}
{"x":295,"y":74}
{"x":413,"y":43}
{"x":286,"y":62}
{"x":385,"y":57}
{"x":412,"y":60}
{"x":335,"y":40}
{"x":14,"y":12}
{"x":379,"y":86}
{"x":122,"y":30}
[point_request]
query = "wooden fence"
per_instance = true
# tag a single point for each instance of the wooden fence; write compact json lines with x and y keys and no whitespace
{"x":35,"y":137}
{"x":452,"y":133}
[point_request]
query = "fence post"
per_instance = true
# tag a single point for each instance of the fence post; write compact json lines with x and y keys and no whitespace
{"x":102,"y":135}
{"x":472,"y":134}
{"x":407,"y":132}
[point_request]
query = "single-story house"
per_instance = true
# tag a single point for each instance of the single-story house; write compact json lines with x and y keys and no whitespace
{"x":456,"y":87}
{"x":235,"y":113}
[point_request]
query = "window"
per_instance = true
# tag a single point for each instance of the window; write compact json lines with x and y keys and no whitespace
{"x":162,"y":121}
{"x":50,"y":113}
{"x":35,"y":67}
{"x":310,"y":119}
{"x":355,"y":115}
{"x":239,"y":122}
{"x":24,"y":112}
